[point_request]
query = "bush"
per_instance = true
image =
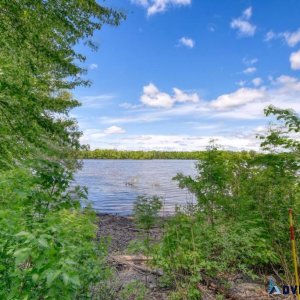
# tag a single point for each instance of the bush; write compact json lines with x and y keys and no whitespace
{"x":146,"y":211}
{"x":53,"y":255}
{"x":240,"y":222}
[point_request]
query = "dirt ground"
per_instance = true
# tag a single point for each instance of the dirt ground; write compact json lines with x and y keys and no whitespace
{"x":120,"y":231}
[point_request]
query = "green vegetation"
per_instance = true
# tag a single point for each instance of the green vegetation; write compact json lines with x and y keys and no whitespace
{"x":146,"y":216}
{"x":146,"y":211}
{"x":240,"y":222}
{"x":118,"y":154}
{"x":48,"y":248}
{"x":48,"y":243}
{"x":134,"y":290}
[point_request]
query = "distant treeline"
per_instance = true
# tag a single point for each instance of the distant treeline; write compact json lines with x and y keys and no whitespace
{"x":118,"y":154}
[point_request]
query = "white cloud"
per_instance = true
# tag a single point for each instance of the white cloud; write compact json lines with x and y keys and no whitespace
{"x":96,"y":101}
{"x":134,"y":118}
{"x":241,"y":83}
{"x":239,"y":115}
{"x":247,"y":13}
{"x":93,"y":136}
{"x":176,"y":142}
{"x":114,"y":130}
{"x":153,"y":97}
{"x":242,"y":104}
{"x":284,"y":93}
{"x":211,"y":27}
{"x":238,"y":98}
{"x":188,"y":42}
{"x":127,"y":105}
{"x":250,"y":61}
{"x":243,"y":25}
{"x":144,"y":3}
{"x":290,"y":38}
{"x":249,"y":70}
{"x":158,"y":6}
{"x":98,"y":97}
{"x":93,"y":66}
{"x":257,"y":81}
{"x":295,"y":60}
{"x":182,"y":97}
{"x":288,"y":86}
{"x":271,"y":35}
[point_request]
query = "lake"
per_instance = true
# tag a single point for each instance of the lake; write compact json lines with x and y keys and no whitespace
{"x":114,"y":184}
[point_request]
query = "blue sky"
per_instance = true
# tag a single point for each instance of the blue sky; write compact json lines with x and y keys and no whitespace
{"x":178,"y":73}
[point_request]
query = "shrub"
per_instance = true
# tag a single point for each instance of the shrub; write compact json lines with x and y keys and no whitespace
{"x":53,"y":255}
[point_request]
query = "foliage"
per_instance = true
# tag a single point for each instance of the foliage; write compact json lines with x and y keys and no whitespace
{"x":42,"y":253}
{"x":48,"y":247}
{"x":240,"y":222}
{"x":38,"y":67}
{"x":146,"y":211}
{"x":279,"y":136}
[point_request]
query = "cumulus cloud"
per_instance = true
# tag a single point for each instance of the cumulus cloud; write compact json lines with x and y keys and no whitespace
{"x":240,"y":113}
{"x":243,"y":104}
{"x":238,"y":98}
{"x":187,"y":42}
{"x":243,"y":25}
{"x":180,"y":96}
{"x":295,"y":60}
{"x":248,"y":103}
{"x":153,"y":97}
{"x":114,"y":130}
{"x":257,"y":81}
{"x":158,"y":6}
{"x":249,"y":70}
{"x":290,"y":38}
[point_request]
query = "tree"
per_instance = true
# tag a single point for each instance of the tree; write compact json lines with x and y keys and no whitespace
{"x":211,"y":184}
{"x":280,"y":135}
{"x":48,"y":245}
{"x":38,"y":68}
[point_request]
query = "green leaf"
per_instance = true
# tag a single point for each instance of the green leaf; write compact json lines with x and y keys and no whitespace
{"x":66,"y":278}
{"x":51,"y":276}
{"x":75,"y":280}
{"x":35,"y":277}
{"x":43,"y":242}
{"x":21,"y":255}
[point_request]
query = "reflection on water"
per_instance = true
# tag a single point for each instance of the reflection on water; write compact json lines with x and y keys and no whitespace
{"x":114,"y":184}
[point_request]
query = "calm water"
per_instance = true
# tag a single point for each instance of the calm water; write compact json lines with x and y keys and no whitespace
{"x":114,"y":184}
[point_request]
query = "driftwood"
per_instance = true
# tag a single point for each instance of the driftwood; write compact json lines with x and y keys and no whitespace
{"x":137,"y":262}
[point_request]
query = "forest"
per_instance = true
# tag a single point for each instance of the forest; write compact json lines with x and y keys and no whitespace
{"x":119,"y":154}
{"x":49,"y":248}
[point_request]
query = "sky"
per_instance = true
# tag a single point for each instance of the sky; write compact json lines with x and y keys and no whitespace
{"x":178,"y":73}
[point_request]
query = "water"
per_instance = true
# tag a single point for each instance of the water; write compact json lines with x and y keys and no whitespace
{"x":114,"y":184}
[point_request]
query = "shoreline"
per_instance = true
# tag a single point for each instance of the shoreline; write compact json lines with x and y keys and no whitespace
{"x":119,"y":231}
